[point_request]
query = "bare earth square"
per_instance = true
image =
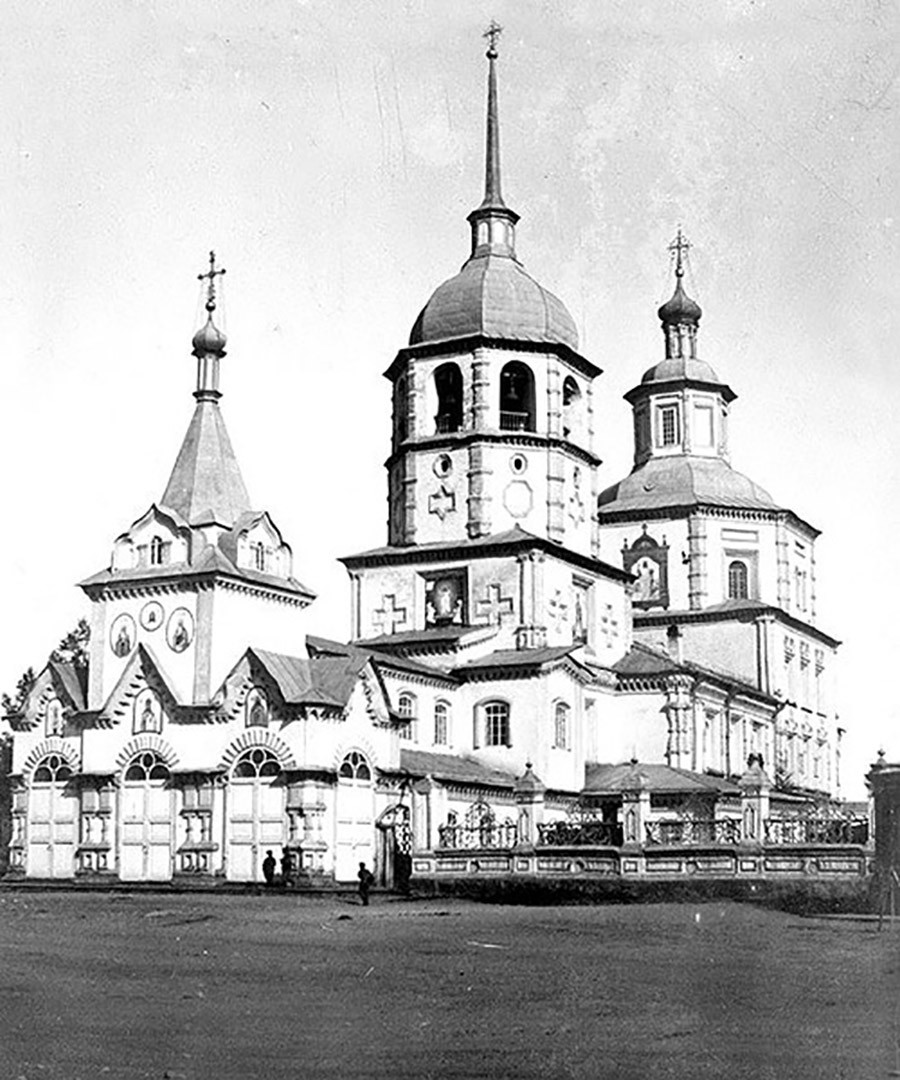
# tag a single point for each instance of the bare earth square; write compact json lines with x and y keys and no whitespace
{"x":191,"y":986}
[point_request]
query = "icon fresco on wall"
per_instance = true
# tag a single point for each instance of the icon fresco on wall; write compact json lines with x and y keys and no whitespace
{"x":151,"y":616}
{"x":147,"y":712}
{"x":180,"y":630}
{"x":648,"y":560}
{"x":122,"y":635}
{"x":445,"y":596}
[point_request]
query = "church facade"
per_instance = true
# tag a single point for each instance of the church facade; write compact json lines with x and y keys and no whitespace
{"x":529,"y":648}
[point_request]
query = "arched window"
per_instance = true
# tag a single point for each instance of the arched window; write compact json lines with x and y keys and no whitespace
{"x":258,"y":553}
{"x":157,"y":551}
{"x":407,"y":709}
{"x":492,"y":720}
{"x":737,"y":580}
{"x":441,"y":723}
{"x":51,"y":769}
{"x":571,"y":411}
{"x":449,"y":387}
{"x":147,"y":766}
{"x":401,"y":416}
{"x":259,"y":762}
{"x":355,"y":767}
{"x":561,"y":725}
{"x":516,"y":397}
{"x":257,"y":708}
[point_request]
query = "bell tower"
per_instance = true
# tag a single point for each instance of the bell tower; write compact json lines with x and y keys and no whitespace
{"x":492,"y":402}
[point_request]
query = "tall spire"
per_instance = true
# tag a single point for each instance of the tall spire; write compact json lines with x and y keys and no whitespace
{"x":206,"y":485}
{"x":493,"y":223}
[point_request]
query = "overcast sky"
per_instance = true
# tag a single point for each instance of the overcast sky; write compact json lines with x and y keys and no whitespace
{"x":329,"y":152}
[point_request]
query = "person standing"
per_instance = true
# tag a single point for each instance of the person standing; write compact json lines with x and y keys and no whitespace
{"x":268,"y":869}
{"x":287,"y":867}
{"x":366,"y":881}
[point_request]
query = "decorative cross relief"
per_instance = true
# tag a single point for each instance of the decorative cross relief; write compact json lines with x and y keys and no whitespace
{"x":442,"y":502}
{"x":389,"y":617}
{"x":609,"y":625}
{"x":494,"y":606}
{"x":558,"y":609}
{"x":576,"y":502}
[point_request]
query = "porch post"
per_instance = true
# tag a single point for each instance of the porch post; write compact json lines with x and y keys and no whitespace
{"x":635,"y":808}
{"x":429,"y":804}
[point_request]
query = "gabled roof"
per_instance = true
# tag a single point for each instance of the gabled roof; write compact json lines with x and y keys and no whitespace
{"x":462,"y":770}
{"x":72,"y":681}
{"x":322,"y":680}
{"x":607,"y":779}
{"x":143,"y":660}
{"x":206,"y":483}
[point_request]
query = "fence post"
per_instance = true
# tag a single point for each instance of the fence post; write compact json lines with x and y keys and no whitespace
{"x":529,"y":793}
{"x":755,"y":787}
{"x":635,"y":808}
{"x":428,"y":811}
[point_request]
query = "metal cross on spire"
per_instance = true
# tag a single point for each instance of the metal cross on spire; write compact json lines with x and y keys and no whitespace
{"x":492,"y":33}
{"x":679,"y":248}
{"x":211,"y":276}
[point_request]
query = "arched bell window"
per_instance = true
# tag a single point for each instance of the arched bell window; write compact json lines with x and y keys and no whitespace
{"x":516,"y":397}
{"x":449,"y":388}
{"x":571,"y":411}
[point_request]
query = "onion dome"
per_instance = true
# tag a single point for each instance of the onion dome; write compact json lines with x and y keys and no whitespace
{"x":680,"y":308}
{"x":492,"y":295}
{"x":209,"y":338}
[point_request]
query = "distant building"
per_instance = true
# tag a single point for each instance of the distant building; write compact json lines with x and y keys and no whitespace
{"x":526,"y":637}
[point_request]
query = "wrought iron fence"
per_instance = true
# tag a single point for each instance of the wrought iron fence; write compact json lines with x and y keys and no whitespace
{"x":693,"y":831}
{"x":587,"y":832}
{"x":817,"y":831}
{"x":493,"y":834}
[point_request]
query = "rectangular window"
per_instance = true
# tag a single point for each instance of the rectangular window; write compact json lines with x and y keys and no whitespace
{"x":667,"y":418}
{"x":703,"y":425}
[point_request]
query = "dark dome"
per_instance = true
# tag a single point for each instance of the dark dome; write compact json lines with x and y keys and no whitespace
{"x":680,"y":308}
{"x":493,"y":296}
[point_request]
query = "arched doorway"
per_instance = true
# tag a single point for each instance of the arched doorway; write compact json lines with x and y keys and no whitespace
{"x":52,"y":820}
{"x":394,"y":863}
{"x":256,"y":820}
{"x":146,"y":839}
{"x":354,"y":839}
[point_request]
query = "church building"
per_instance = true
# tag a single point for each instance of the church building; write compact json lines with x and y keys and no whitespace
{"x":531,"y":644}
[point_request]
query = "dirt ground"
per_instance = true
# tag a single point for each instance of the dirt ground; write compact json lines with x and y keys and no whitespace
{"x":191,"y":986}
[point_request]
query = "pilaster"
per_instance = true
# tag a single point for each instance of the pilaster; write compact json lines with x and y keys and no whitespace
{"x":479,"y":499}
{"x":697,"y":550}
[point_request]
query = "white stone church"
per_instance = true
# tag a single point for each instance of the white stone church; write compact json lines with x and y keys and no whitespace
{"x":533,"y":639}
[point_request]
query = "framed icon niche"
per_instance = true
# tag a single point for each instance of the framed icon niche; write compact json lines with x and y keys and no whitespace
{"x":648,"y":560}
{"x":445,"y":598}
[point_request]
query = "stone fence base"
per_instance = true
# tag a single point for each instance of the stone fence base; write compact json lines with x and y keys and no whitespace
{"x":849,"y":862}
